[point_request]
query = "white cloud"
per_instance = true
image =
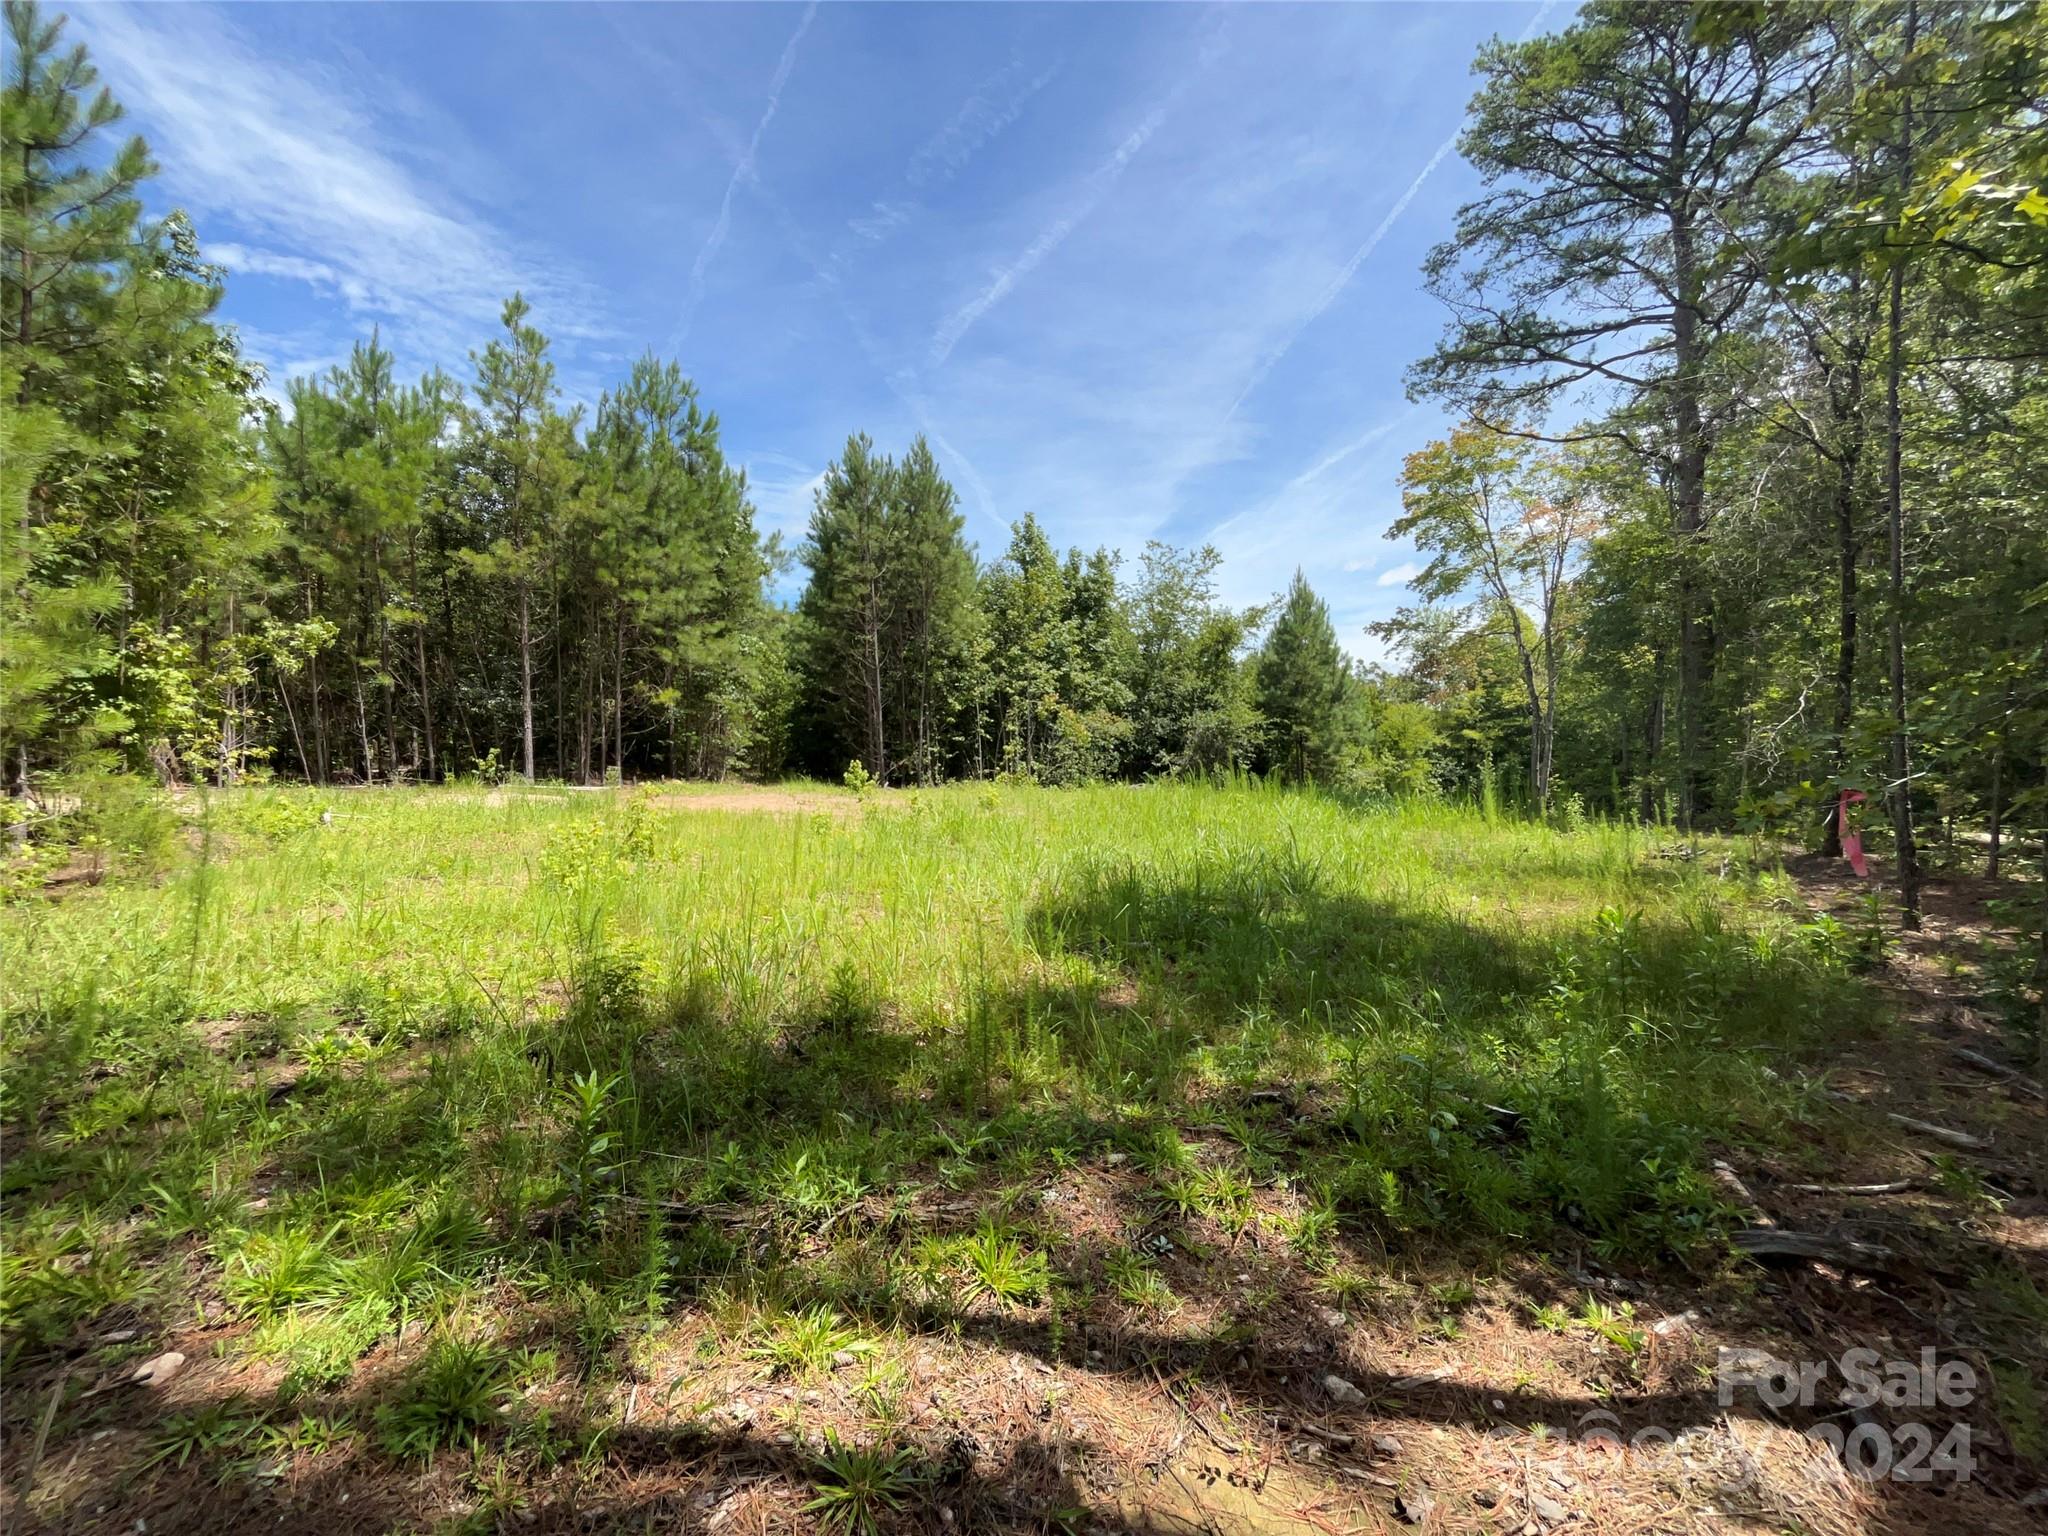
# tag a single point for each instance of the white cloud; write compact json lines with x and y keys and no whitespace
{"x":782,"y":491}
{"x":743,"y":171}
{"x":1358,"y":257}
{"x":1353,"y":567}
{"x":298,"y":161}
{"x":883,"y":219}
{"x":1357,"y":445}
{"x":1093,"y":190}
{"x":1344,"y":275}
{"x":1400,"y":575}
{"x":979,"y":119}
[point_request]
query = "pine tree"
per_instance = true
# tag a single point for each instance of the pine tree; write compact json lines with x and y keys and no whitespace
{"x":134,"y":515}
{"x":1301,"y":682}
{"x":1032,"y":646}
{"x":1626,"y":150}
{"x":519,"y":471}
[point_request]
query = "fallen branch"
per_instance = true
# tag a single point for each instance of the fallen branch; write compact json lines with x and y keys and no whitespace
{"x":1896,"y":1187}
{"x":1336,"y":1439}
{"x":2012,"y":1077}
{"x":1729,"y":1180}
{"x":1843,"y":1252}
{"x":35,"y":1455}
{"x":1954,"y":1138}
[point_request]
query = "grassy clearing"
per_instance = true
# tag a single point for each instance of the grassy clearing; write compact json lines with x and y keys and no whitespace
{"x":545,"y":1082}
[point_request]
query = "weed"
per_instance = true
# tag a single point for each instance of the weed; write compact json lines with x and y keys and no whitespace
{"x":2017,"y":1398}
{"x":272,"y":1272}
{"x":307,"y":1435}
{"x":1138,"y":1283}
{"x":319,"y":1347}
{"x":1614,"y":1323}
{"x":448,"y":1398}
{"x":803,"y":1343}
{"x":857,"y":1486}
{"x":1001,"y":1267}
{"x":204,"y":1434}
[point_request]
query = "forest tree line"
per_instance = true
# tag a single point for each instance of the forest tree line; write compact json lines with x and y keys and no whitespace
{"x":1745,"y":504}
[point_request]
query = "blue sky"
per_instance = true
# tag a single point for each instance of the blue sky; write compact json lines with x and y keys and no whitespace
{"x":1145,"y":271}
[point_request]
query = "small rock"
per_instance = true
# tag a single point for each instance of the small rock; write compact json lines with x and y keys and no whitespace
{"x":1332,"y":1318}
{"x":842,"y":1358}
{"x":119,"y":1336}
{"x":1116,"y":1158}
{"x":1499,"y":1406}
{"x":1749,"y":1367}
{"x":1386,"y":1445}
{"x":1342,"y":1390}
{"x":1414,"y":1506}
{"x":1486,"y":1498}
{"x":1664,"y":1327}
{"x":1547,"y":1509}
{"x":155,"y":1372}
{"x":1424,"y":1378}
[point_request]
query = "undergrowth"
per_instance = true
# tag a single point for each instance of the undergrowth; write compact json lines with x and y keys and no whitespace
{"x":582,"y":1061}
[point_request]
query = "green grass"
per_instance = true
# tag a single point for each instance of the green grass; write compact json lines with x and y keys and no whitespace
{"x":588,"y":1058}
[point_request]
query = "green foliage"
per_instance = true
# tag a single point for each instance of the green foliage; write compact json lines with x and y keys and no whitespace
{"x":447,"y":1399}
{"x":886,"y":620}
{"x":857,"y":1487}
{"x":999,"y":1265}
{"x":805,"y":1342}
{"x":1302,"y":689}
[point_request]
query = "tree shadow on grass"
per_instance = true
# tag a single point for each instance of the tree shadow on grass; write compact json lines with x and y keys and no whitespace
{"x":1431,"y":1076}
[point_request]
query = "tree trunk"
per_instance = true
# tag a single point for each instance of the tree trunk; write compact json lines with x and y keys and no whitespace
{"x":1901,"y":753}
{"x":314,"y":691}
{"x":525,"y":681}
{"x":419,"y":641}
{"x":1653,"y":742}
{"x":1997,"y":788}
{"x":1538,"y":779}
{"x":363,"y":729}
{"x":1848,"y":550}
{"x":2041,"y":967}
{"x":1689,"y":495}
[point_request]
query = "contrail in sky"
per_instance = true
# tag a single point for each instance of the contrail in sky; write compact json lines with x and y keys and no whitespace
{"x":1372,"y":241}
{"x":744,"y":171}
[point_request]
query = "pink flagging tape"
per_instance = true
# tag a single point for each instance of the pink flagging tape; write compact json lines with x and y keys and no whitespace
{"x":1852,"y":841}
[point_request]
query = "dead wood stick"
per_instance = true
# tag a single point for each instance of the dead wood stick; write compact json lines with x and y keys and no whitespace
{"x":1729,"y":1180}
{"x":1330,"y":1437}
{"x":1844,"y":1252}
{"x":1954,"y":1138}
{"x":2012,"y":1077}
{"x":35,"y":1454}
{"x":1896,"y":1187}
